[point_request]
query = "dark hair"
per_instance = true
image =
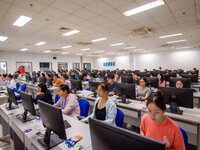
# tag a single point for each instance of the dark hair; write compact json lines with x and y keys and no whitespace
{"x":158,"y":99}
{"x":104,"y":86}
{"x":118,"y":73}
{"x":65,"y":76}
{"x":38,"y":74}
{"x":145,"y":79}
{"x":162,"y":78}
{"x":137,"y":74}
{"x":4,"y":75}
{"x":43,"y":74}
{"x":49,"y":75}
{"x":43,"y":87}
{"x":10,"y":76}
{"x":180,"y":81}
{"x":110,"y":76}
{"x":56,"y":75}
{"x":64,"y":87}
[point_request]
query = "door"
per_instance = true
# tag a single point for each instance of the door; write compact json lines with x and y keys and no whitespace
{"x":45,"y":66}
{"x":87,"y":66}
{"x":62,"y":66}
{"x":3,"y":67}
{"x":75,"y":66}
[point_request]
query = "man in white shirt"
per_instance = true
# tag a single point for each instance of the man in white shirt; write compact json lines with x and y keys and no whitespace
{"x":11,"y":83}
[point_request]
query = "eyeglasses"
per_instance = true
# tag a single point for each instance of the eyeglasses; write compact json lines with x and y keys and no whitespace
{"x":141,"y":81}
{"x":156,"y":114}
{"x":99,"y":90}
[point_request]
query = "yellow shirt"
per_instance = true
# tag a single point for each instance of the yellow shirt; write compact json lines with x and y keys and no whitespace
{"x":57,"y":82}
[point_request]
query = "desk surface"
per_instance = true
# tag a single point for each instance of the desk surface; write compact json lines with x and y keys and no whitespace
{"x":77,"y":128}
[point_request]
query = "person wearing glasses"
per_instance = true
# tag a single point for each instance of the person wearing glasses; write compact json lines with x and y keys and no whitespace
{"x":142,"y":91}
{"x":104,"y":109}
{"x":179,"y":83}
{"x":155,"y":124}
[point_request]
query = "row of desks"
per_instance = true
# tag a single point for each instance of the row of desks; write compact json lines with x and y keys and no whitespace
{"x":133,"y":112}
{"x":21,"y":140}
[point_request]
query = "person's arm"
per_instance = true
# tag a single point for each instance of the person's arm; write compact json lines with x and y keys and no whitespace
{"x":111,"y":113}
{"x":146,"y":95}
{"x":72,"y":101}
{"x":58,"y":104}
{"x":178,"y":143}
{"x":142,"y":132}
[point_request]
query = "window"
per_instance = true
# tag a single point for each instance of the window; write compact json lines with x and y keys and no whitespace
{"x":45,"y":66}
{"x":3,"y":67}
{"x":62,"y":66}
{"x":75,"y":66}
{"x":24,"y":66}
{"x":87,"y":66}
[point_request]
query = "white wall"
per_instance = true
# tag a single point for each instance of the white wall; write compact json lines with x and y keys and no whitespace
{"x":172,"y":59}
{"x":121,"y":62}
{"x":11,"y":58}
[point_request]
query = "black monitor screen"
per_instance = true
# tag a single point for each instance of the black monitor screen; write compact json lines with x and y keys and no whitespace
{"x":93,"y":85}
{"x":193,"y":77}
{"x":186,"y":82}
{"x":108,"y":137}
{"x":72,"y":76}
{"x":152,"y":82}
{"x":76,"y":84}
{"x":182,"y":96}
{"x":127,"y":79}
{"x":12,"y":98}
{"x":125,"y":89}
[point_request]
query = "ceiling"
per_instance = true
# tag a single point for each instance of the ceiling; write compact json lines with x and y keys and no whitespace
{"x":98,"y":19}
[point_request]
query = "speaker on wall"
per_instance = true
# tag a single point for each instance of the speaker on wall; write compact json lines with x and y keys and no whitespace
{"x":54,"y":57}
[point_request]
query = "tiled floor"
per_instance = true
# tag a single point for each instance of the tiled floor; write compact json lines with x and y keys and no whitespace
{"x":4,"y":146}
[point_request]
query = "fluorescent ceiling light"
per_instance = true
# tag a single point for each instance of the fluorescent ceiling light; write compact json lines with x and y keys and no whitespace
{"x":21,"y":21}
{"x":176,"y":41}
{"x":182,"y":47}
{"x":99,"y":51}
{"x":79,"y":54}
{"x":138,"y":50}
{"x":3,"y":38}
{"x":71,"y":32}
{"x":144,"y":7}
{"x":47,"y":51}
{"x":65,"y":52}
{"x":24,"y":49}
{"x":101,"y":39}
{"x":116,"y":44}
{"x":130,"y":47}
{"x":171,"y":35}
{"x":85,"y":49}
{"x":68,"y":46}
{"x":40,"y":43}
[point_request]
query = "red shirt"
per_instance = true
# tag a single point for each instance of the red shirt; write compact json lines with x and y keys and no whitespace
{"x":168,"y":132}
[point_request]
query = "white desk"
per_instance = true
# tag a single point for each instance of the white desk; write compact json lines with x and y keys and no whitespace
{"x":21,"y":140}
{"x":133,"y":112}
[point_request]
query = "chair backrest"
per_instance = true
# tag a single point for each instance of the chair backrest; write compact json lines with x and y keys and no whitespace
{"x":17,"y":85}
{"x":56,"y":98}
{"x":119,"y":118}
{"x":23,"y":88}
{"x":185,"y":138}
{"x":84,"y":107}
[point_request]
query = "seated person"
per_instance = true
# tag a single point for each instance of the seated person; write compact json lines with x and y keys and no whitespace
{"x":43,"y":94}
{"x":117,"y":78}
{"x":65,"y":80}
{"x":3,"y":81}
{"x":161,"y":81}
{"x":133,"y":74}
{"x":158,"y":126}
{"x":56,"y":81}
{"x":110,"y":79}
{"x":136,"y":79}
{"x":179,"y":83}
{"x":85,"y":77}
{"x":37,"y":75}
{"x":104,"y":108}
{"x":68,"y":102}
{"x":142,"y":91}
{"x":10,"y":84}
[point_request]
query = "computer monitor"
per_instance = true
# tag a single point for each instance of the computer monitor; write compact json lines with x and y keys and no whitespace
{"x":28,"y":105}
{"x":49,"y":81}
{"x":144,"y":74}
{"x":76,"y":85}
{"x":93,"y":75}
{"x":102,"y":74}
{"x":178,"y":97}
{"x":127,"y":74}
{"x":72,"y":76}
{"x":28,"y":78}
{"x":152,"y":82}
{"x":127,"y":79}
{"x":193,"y":77}
{"x":52,"y":119}
{"x":173,"y":74}
{"x":11,"y":99}
{"x":166,"y":77}
{"x":80,"y":77}
{"x":15,"y":76}
{"x":93,"y":87}
{"x":186,"y":82}
{"x":109,"y":137}
{"x":42,"y":79}
{"x":124,"y":90}
{"x":153,"y":74}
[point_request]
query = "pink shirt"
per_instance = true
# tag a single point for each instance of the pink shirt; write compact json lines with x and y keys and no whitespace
{"x":168,"y":132}
{"x":69,"y":106}
{"x":162,"y":84}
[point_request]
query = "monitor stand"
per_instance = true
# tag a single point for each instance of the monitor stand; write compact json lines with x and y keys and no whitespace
{"x":173,"y":109}
{"x":95,"y":94}
{"x":25,"y":118}
{"x":11,"y":107}
{"x":124,"y":100}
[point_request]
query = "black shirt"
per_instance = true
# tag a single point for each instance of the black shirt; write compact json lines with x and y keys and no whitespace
{"x":100,"y":113}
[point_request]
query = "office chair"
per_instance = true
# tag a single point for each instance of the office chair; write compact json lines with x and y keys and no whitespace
{"x":23,"y":88}
{"x":84,"y":107}
{"x":185,"y":138}
{"x":119,"y":118}
{"x":17,"y":87}
{"x":56,"y":98}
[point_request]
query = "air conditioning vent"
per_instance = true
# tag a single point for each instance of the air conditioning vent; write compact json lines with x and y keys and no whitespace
{"x":142,"y":31}
{"x":56,"y":50}
{"x":84,"y":43}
